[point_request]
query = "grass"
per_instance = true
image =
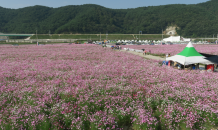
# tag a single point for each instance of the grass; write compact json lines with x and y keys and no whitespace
{"x":26,"y":43}
{"x":103,"y":36}
{"x":13,"y":43}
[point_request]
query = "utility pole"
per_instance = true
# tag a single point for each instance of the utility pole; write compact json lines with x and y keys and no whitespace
{"x":140,"y":32}
{"x":36,"y":35}
{"x":100,"y":36}
{"x":205,"y":39}
{"x":162,"y":33}
{"x":37,"y":38}
{"x":213,"y":37}
{"x":139,"y":35}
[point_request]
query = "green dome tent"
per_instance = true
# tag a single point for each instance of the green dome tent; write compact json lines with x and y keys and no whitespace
{"x":189,"y":56}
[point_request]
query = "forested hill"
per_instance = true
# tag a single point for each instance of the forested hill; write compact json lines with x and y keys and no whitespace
{"x":191,"y":20}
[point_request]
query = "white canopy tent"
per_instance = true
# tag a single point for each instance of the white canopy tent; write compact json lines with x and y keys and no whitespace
{"x":189,"y":56}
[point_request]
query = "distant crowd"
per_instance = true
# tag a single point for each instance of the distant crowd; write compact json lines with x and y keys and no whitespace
{"x":145,"y":52}
{"x":116,"y":47}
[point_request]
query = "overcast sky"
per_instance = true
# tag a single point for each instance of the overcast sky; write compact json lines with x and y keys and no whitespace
{"x":114,"y":4}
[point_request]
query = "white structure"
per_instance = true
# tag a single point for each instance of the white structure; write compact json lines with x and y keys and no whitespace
{"x":176,"y":39}
{"x":189,"y":56}
{"x":186,"y":39}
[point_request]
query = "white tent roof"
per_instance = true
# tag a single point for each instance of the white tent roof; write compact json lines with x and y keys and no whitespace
{"x":189,"y":60}
{"x":189,"y":56}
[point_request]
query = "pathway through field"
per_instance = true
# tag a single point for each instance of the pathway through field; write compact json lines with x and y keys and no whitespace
{"x":145,"y":56}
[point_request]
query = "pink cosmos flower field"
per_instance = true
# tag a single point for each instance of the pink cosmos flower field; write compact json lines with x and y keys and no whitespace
{"x":174,"y":49}
{"x":88,"y":87}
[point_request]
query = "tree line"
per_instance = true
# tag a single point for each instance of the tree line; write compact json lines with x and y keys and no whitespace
{"x":196,"y":20}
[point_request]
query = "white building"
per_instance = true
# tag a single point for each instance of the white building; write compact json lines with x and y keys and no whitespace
{"x":176,"y":39}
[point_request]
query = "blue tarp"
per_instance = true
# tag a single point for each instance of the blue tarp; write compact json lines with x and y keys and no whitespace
{"x":165,"y":63}
{"x":193,"y":67}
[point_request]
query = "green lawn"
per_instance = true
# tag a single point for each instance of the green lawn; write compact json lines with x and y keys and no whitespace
{"x":103,"y":36}
{"x":11,"y":43}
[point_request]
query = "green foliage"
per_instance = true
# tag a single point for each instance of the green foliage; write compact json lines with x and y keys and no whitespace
{"x":198,"y":20}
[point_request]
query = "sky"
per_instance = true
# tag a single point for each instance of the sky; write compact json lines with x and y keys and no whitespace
{"x":114,"y":4}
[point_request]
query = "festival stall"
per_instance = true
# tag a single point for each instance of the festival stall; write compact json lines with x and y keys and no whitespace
{"x":189,"y":56}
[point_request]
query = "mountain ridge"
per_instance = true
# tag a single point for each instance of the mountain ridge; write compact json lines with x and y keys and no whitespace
{"x":192,"y":20}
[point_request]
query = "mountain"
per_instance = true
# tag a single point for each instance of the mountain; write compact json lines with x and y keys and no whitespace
{"x":197,"y":20}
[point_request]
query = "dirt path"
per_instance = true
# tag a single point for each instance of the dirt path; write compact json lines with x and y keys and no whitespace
{"x":145,"y":56}
{"x":141,"y":54}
